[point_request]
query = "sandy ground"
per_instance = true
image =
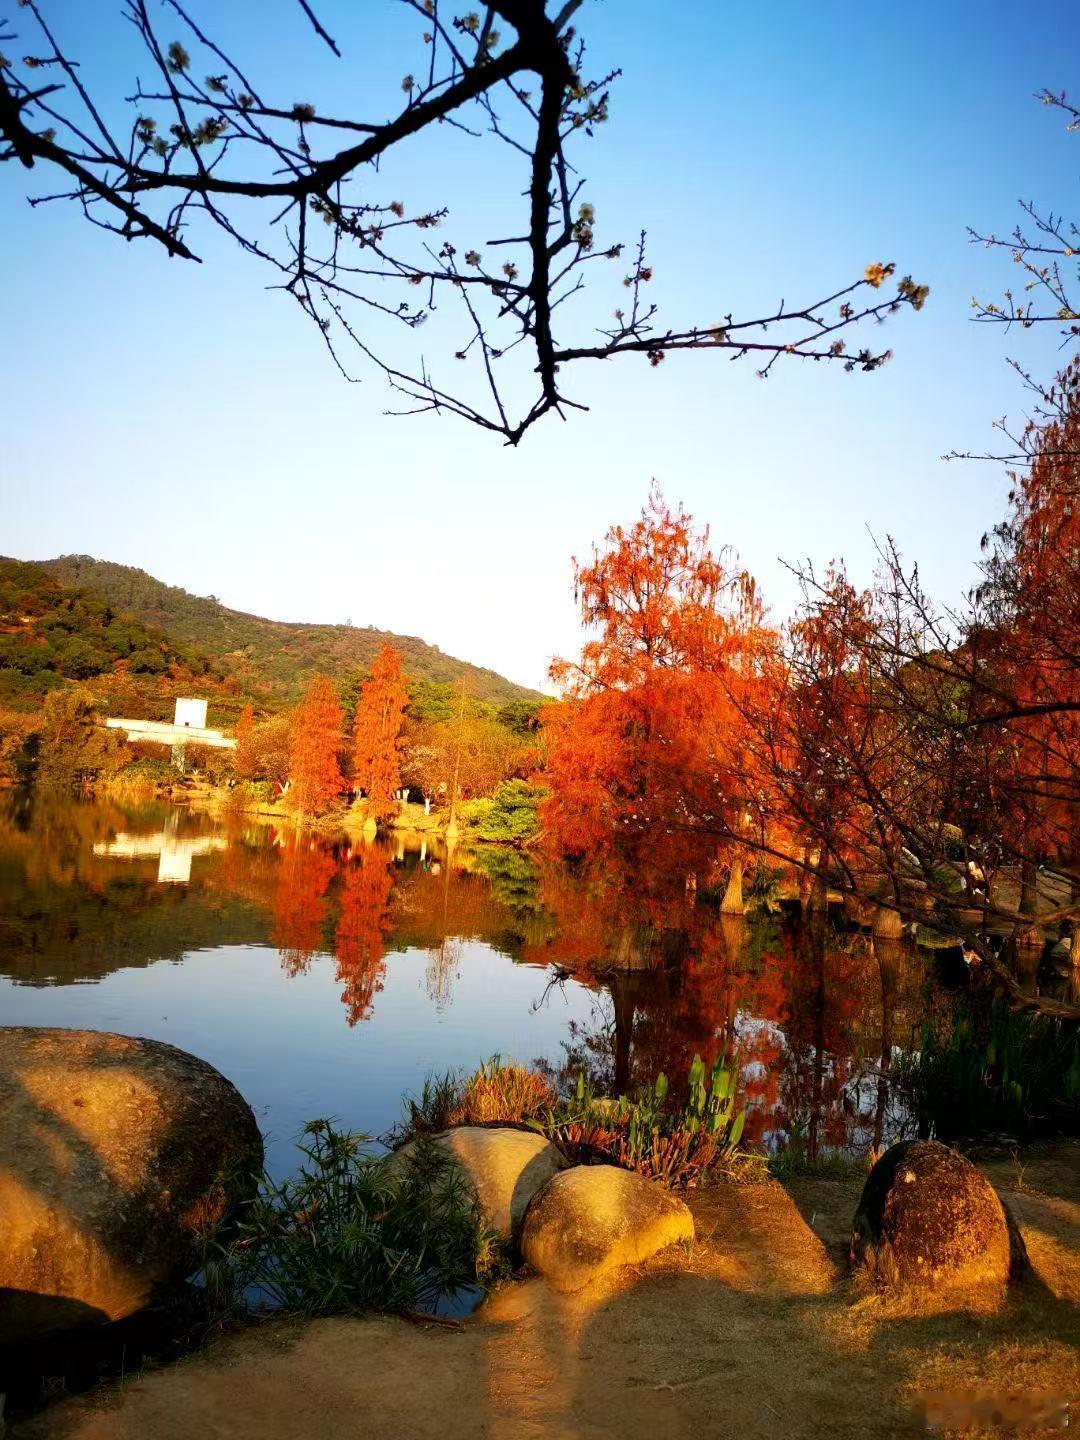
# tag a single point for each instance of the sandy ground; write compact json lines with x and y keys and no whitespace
{"x":756,"y":1331}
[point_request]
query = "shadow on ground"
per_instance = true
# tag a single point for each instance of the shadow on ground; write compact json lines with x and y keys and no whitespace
{"x":755,"y":1332}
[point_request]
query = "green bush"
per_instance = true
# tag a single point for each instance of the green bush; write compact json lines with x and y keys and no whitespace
{"x":509,"y":816}
{"x":150,"y":767}
{"x":763,"y":887}
{"x":350,"y":1233}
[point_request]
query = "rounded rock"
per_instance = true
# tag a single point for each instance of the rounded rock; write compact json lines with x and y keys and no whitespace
{"x":593,"y":1218}
{"x":116,"y":1154}
{"x":928,"y":1218}
{"x":505,"y":1168}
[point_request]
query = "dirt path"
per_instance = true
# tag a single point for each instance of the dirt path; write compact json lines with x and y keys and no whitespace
{"x":756,"y":1333}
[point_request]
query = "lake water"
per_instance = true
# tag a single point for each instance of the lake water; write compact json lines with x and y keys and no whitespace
{"x":327,"y":979}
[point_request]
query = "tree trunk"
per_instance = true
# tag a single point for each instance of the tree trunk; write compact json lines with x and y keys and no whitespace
{"x":732,"y":903}
{"x":888,"y":958}
{"x":888,"y":923}
{"x":819,"y":894}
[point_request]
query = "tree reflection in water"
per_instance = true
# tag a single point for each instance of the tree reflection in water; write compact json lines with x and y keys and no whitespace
{"x":299,"y":905}
{"x":363,"y":925}
{"x":814,"y":1013}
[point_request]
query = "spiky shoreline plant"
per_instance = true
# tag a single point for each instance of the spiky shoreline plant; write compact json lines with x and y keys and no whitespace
{"x":681,"y":1145}
{"x":348,"y":1234}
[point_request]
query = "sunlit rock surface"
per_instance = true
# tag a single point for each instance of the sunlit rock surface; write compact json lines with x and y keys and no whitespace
{"x":115,"y":1154}
{"x":505,"y":1167}
{"x":594,"y":1218}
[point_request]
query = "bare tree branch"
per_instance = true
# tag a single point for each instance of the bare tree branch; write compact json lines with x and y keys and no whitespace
{"x":222,"y":150}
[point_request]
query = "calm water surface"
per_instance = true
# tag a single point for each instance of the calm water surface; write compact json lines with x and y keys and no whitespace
{"x":330,"y":978}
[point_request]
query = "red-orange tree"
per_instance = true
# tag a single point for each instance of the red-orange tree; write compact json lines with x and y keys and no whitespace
{"x":906,"y":742}
{"x":377,"y":737}
{"x":1025,"y":636}
{"x":842,"y":761}
{"x":643,"y":753}
{"x":314,"y":746}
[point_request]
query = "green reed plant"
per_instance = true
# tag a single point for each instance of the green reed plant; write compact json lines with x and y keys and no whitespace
{"x":984,"y":1068}
{"x":796,"y":1162}
{"x":681,"y":1144}
{"x":350,"y":1233}
{"x":432,"y":1111}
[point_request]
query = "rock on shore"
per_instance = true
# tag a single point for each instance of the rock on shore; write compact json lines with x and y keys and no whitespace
{"x":115,"y":1154}
{"x":505,"y":1168}
{"x":594,"y":1218}
{"x":927,"y":1219}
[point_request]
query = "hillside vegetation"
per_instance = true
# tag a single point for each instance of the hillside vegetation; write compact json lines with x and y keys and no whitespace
{"x":52,"y":632}
{"x":262,"y":654}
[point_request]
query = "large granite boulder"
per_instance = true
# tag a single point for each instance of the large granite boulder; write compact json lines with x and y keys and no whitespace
{"x":594,"y":1218}
{"x":115,"y":1155}
{"x":505,"y":1168}
{"x":929,"y":1219}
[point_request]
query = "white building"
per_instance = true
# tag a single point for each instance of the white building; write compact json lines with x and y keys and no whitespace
{"x":188,"y":727}
{"x":190,"y":714}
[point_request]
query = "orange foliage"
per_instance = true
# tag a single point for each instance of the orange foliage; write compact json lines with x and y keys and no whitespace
{"x":377,"y":738}
{"x":1034,"y":593}
{"x":244,"y":761}
{"x":314,"y":743}
{"x":299,"y":904}
{"x":644,"y":752}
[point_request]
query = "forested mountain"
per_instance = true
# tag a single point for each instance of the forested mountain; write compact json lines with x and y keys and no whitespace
{"x":273,"y":655}
{"x":52,"y":632}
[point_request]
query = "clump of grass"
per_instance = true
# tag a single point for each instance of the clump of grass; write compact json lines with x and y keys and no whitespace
{"x":795,"y":1162}
{"x":349,"y":1233}
{"x":432,"y":1111}
{"x":502,"y":1094}
{"x":496,"y":1094}
{"x":681,"y":1145}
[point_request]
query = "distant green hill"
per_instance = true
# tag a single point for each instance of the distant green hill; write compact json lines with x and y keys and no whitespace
{"x":52,"y":632}
{"x":272,"y":655}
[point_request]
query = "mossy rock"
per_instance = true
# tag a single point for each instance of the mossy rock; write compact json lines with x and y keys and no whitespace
{"x":928,"y":1219}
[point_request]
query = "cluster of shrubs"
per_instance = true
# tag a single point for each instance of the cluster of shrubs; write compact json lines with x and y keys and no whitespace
{"x":349,"y":1233}
{"x":683,"y":1138}
{"x":509,"y":816}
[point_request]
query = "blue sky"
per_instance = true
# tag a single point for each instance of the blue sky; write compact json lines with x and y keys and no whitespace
{"x":182,"y":419}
